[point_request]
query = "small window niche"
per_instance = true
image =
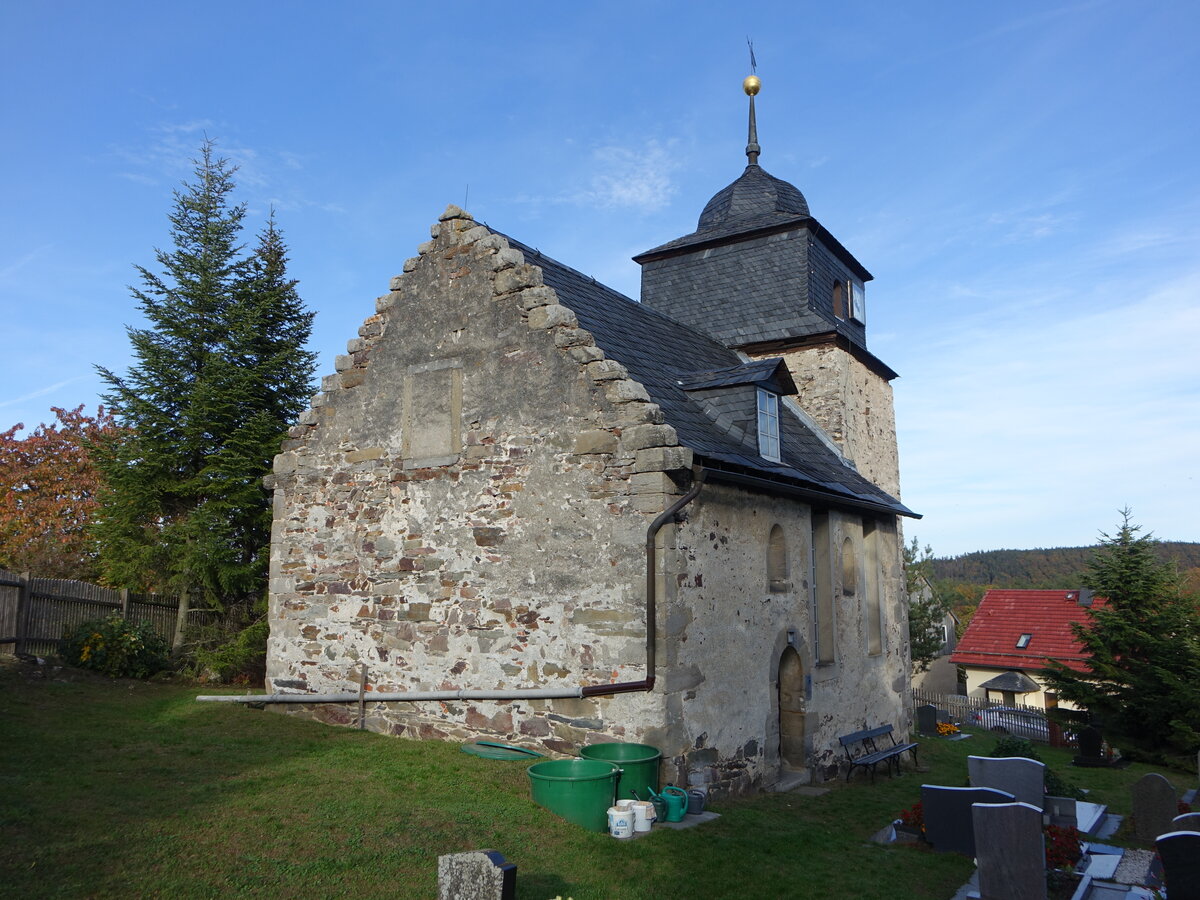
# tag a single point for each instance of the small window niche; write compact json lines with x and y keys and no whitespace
{"x":777,"y":562}
{"x":768,"y":425}
{"x":849,"y":569}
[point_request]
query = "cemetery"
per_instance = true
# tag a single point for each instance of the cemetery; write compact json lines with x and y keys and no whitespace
{"x":1028,"y":844}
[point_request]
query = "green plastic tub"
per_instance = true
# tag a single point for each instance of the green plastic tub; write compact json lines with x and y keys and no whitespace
{"x":638,"y":764}
{"x":579,"y":790}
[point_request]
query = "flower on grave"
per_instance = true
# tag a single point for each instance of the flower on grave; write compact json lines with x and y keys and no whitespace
{"x":1063,"y":847}
{"x":914,"y":817}
{"x":1184,"y":808}
{"x":946,"y":729}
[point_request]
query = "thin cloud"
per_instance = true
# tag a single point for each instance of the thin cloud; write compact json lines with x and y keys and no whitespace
{"x":621,"y":178}
{"x":43,"y":391}
{"x":631,"y":179}
{"x":1064,"y":414}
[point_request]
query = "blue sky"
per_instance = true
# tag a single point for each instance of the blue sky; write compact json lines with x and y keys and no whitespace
{"x":1022,"y":179}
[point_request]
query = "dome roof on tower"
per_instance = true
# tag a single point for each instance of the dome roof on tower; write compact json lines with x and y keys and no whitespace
{"x":754,"y":196}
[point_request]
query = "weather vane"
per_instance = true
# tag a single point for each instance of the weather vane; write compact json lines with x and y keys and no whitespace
{"x":751,"y":86}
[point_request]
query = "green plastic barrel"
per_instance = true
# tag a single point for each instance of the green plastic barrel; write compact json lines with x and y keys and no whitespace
{"x":579,"y":790}
{"x":638,"y":764}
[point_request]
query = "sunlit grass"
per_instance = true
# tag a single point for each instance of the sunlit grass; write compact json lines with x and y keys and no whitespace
{"x":119,"y":789}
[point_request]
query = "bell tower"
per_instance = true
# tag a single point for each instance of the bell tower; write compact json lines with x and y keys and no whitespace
{"x":761,"y":275}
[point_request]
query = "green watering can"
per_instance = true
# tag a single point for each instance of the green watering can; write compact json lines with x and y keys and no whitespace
{"x":675,"y":801}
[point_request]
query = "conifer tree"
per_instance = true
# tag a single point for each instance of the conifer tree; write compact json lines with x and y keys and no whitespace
{"x":927,"y":608}
{"x":220,"y":373}
{"x":1143,"y":686}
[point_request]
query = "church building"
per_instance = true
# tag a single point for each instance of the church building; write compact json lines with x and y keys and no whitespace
{"x":531,"y":509}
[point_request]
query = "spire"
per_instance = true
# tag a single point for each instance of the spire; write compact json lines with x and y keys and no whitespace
{"x":751,"y":86}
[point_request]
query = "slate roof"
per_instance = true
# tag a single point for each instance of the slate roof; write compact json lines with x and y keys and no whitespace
{"x":772,"y":374}
{"x":659,"y":353}
{"x":1003,"y":616}
{"x":1017,"y":682}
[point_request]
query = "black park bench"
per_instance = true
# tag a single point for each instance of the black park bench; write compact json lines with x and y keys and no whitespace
{"x":863,"y":750}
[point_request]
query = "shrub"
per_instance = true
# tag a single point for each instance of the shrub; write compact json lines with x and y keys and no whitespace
{"x":241,"y":658}
{"x":116,"y":647}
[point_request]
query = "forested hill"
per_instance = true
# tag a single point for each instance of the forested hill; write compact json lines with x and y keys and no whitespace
{"x":1061,"y":567}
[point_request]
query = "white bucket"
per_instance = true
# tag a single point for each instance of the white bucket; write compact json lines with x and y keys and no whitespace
{"x":643,"y":815}
{"x":620,"y":822}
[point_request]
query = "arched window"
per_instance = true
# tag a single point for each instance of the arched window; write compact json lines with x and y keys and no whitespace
{"x":777,"y":562}
{"x":849,"y":569}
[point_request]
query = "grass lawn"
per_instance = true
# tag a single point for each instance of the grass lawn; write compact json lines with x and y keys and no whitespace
{"x":120,"y":789}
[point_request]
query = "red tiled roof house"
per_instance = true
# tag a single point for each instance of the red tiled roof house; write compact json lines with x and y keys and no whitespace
{"x":1013,"y":633}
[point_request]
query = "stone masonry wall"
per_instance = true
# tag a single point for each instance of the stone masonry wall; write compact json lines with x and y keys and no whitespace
{"x":852,"y":405}
{"x":465,"y":505}
{"x":727,"y":631}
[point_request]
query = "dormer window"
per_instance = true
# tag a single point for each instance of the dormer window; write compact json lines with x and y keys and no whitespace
{"x":1023,"y":641}
{"x":768,"y":425}
{"x":858,"y":301}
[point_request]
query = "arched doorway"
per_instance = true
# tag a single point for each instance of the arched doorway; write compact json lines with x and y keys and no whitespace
{"x":791,"y":711}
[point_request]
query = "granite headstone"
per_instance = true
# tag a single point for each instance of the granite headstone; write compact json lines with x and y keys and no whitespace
{"x":1024,"y":778}
{"x":1186,"y":822}
{"x":476,"y":875}
{"x":1010,"y":851}
{"x":1062,"y":811}
{"x":927,"y":719}
{"x":949,"y":826}
{"x":1154,"y":806}
{"x":1180,"y":855}
{"x":1091,"y":748}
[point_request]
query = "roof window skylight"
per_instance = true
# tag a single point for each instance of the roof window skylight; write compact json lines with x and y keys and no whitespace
{"x":1023,"y":641}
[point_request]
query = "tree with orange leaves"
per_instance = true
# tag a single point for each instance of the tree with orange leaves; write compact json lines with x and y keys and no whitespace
{"x":48,"y":488}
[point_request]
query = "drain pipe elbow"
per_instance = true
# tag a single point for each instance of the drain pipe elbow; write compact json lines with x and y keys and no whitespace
{"x":667,"y":515}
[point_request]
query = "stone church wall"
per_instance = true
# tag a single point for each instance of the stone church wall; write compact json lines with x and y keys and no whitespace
{"x":465,"y":506}
{"x":852,"y":405}
{"x":729,"y":624}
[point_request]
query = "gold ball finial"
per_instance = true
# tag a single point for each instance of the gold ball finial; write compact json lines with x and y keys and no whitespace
{"x":751,"y":85}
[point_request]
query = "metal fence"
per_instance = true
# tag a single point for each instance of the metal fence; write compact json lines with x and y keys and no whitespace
{"x":1017,"y":719}
{"x":36,"y":612}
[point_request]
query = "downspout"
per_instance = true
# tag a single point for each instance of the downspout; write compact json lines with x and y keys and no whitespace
{"x":699,"y":474}
{"x":667,"y":515}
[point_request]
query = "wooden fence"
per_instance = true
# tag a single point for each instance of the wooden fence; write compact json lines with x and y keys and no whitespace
{"x":35,"y":612}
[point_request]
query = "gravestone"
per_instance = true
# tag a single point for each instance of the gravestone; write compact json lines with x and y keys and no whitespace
{"x":927,"y":719}
{"x":1180,"y":855}
{"x":1062,"y":811}
{"x":943,"y":716}
{"x":1154,"y":806}
{"x":1091,"y":748}
{"x":1186,"y":822}
{"x":476,"y":875}
{"x":1024,"y":778}
{"x":949,"y":827}
{"x":1010,"y":851}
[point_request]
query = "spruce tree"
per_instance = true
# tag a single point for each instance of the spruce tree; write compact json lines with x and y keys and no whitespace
{"x":220,"y":373}
{"x":1143,"y":645}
